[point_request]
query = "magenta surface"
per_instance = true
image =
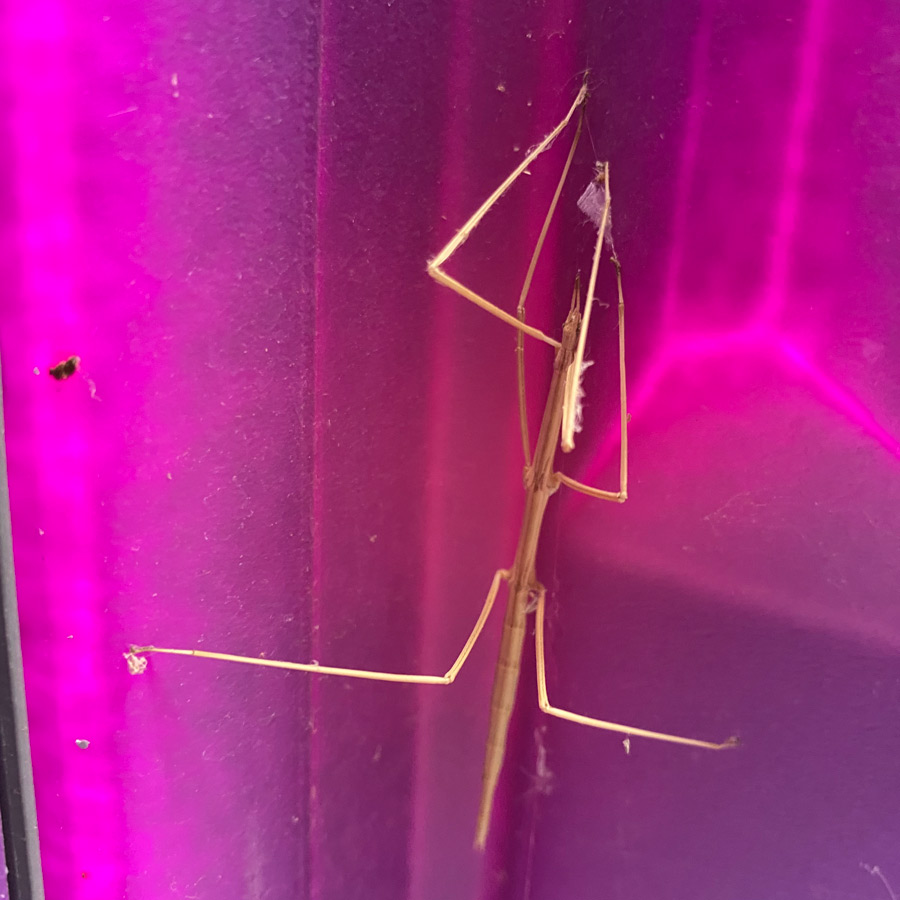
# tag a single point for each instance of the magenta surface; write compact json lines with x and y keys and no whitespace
{"x":284,"y":439}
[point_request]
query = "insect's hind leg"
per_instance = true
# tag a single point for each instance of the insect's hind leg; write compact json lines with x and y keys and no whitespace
{"x":135,"y":654}
{"x":544,"y":702}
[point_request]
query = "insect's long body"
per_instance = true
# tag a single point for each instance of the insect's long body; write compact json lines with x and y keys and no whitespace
{"x":540,"y":483}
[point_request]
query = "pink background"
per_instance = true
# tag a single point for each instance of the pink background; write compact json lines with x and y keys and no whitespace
{"x":297,"y":444}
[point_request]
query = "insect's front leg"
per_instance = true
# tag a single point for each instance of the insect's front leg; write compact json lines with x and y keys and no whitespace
{"x":435,"y":266}
{"x":621,"y":495}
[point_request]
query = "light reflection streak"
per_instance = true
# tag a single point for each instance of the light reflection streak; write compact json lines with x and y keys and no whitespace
{"x":762,"y":337}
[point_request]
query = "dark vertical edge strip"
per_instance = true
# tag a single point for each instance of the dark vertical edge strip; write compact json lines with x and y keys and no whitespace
{"x":17,"y":805}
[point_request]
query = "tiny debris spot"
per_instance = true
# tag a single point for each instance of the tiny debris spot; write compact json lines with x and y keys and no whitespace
{"x":626,"y":743}
{"x":66,"y":369}
{"x":877,"y":873}
{"x":593,"y":202}
{"x":501,"y":87}
{"x":543,"y":778}
{"x":137,"y":665}
{"x":82,"y":744}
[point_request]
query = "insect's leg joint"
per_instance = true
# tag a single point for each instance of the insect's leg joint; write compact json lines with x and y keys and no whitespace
{"x":535,"y":592}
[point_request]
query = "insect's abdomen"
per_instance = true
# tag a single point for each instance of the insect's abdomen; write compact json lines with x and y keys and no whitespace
{"x":506,"y":678}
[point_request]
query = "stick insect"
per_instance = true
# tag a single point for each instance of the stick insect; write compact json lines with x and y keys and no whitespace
{"x":525,"y":592}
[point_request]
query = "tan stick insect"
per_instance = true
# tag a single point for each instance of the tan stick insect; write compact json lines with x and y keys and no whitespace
{"x":541,"y":480}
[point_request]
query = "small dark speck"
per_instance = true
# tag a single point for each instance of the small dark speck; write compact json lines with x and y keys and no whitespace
{"x":65,"y":369}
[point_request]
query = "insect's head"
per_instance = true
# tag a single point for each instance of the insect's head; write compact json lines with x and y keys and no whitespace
{"x":570,"y":326}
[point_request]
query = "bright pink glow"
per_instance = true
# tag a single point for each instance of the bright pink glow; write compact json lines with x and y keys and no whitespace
{"x":782,"y":239}
{"x":840,"y":398}
{"x":62,"y":607}
{"x":763,"y":335}
{"x":435,"y":502}
{"x":687,"y":166}
{"x":750,"y":346}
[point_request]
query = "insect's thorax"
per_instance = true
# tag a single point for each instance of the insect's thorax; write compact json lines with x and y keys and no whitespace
{"x":539,"y":478}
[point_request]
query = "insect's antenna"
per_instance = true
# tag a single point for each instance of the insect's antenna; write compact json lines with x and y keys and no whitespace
{"x":587,"y":126}
{"x":588,"y":89}
{"x":585,"y":74}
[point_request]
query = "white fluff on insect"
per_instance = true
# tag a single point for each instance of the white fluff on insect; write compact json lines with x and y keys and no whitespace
{"x":579,"y":397}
